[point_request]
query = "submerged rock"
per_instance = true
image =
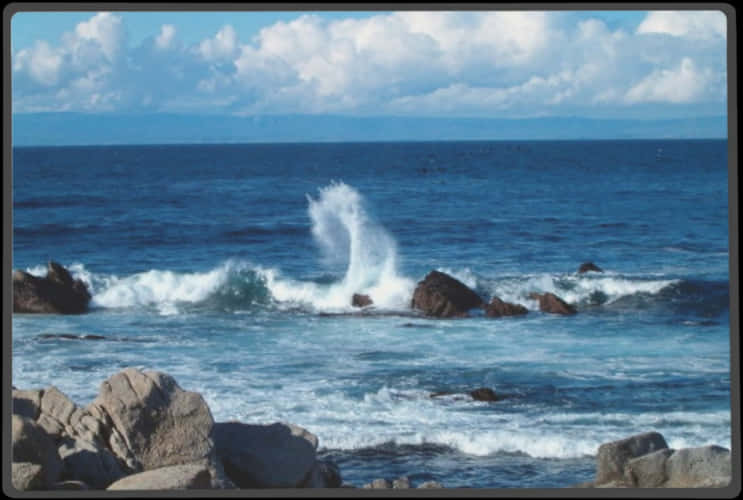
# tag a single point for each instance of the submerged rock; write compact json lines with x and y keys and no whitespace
{"x":484,"y":394}
{"x":443,"y":296}
{"x":57,"y":293}
{"x":359,"y":300}
{"x":589,"y":266}
{"x":497,"y":308}
{"x":551,"y":303}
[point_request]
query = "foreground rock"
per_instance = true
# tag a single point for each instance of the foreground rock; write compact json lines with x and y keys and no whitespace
{"x":589,"y":266}
{"x":645,"y":461}
{"x":266,"y":456}
{"x":497,"y":308}
{"x":175,"y":477}
{"x":551,"y":303}
{"x":359,"y":300}
{"x":57,"y":293}
{"x":36,"y":450}
{"x":442,"y":296}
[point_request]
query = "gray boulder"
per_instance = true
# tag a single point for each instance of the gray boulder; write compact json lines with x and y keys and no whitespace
{"x":613,"y":456}
{"x":265,"y":456}
{"x":443,"y":296}
{"x":57,"y":293}
{"x":156,"y":423}
{"x":648,"y":471}
{"x":378,"y":484}
{"x":430,"y":485}
{"x":401,"y":483}
{"x":174,"y":477}
{"x":706,"y":466}
{"x":32,"y":444}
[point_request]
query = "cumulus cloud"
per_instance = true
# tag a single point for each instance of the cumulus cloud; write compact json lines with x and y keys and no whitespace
{"x":454,"y":63}
{"x":705,"y":24}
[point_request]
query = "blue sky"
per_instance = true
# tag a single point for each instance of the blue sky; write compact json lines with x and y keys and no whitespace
{"x":497,"y":64}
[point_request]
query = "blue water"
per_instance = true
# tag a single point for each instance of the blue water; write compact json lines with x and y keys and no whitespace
{"x":231,"y":267}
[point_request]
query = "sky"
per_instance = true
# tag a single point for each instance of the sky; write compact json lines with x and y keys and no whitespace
{"x":498,"y":64}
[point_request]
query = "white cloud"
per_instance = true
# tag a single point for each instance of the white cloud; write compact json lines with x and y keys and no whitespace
{"x":104,"y":29}
{"x":42,"y":62}
{"x":682,"y":84}
{"x":164,"y":40}
{"x":223,"y":46}
{"x":693,"y":24}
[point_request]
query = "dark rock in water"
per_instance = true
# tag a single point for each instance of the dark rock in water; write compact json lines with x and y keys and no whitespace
{"x":359,"y":300}
{"x":497,"y":308}
{"x":57,"y":293}
{"x":483,"y":394}
{"x":69,"y":336}
{"x":551,"y":303}
{"x":324,"y":474}
{"x":589,"y":266}
{"x":612,"y":457}
{"x":442,"y":296}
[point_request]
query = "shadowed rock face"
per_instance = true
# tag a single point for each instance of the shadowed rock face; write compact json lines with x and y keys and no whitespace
{"x":589,"y":266}
{"x":551,"y":303}
{"x":359,"y":300}
{"x":57,"y":293}
{"x":442,"y":296}
{"x":484,"y":394}
{"x":497,"y":308}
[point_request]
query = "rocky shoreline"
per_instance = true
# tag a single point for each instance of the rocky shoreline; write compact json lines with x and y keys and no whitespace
{"x":144,"y":432}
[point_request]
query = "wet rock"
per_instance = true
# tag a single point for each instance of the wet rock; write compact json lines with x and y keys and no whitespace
{"x":324,"y":474}
{"x":265,"y":456}
{"x":612,"y":457}
{"x":443,"y":296}
{"x":698,"y":467}
{"x":497,"y":308}
{"x":551,"y":303}
{"x":32,"y":444}
{"x":359,"y":300}
{"x":57,"y":293}
{"x":484,"y":394}
{"x":174,"y":477}
{"x":589,"y":266}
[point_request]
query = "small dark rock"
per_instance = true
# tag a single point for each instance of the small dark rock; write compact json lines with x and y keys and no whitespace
{"x":57,"y":293}
{"x":589,"y":266}
{"x":442,"y":296}
{"x":551,"y":303}
{"x":497,"y":308}
{"x":359,"y":300}
{"x":484,"y":394}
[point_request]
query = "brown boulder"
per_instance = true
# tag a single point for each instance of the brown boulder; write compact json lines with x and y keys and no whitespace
{"x":57,"y":293}
{"x":442,"y":296}
{"x":359,"y":300}
{"x":497,"y":308}
{"x":483,"y":394}
{"x":551,"y":303}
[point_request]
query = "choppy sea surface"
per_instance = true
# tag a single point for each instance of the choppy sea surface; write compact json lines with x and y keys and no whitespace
{"x":231,"y":267}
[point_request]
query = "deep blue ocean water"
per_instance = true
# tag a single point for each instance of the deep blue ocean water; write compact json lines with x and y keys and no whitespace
{"x":231,"y":267}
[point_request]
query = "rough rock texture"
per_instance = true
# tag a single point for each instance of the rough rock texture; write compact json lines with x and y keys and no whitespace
{"x":31,"y":443}
{"x":430,"y":484}
{"x":174,"y":477}
{"x":705,"y":466}
{"x":442,"y":296}
{"x":27,"y":476}
{"x":497,"y":308}
{"x":359,"y":300}
{"x":648,"y":471}
{"x":378,"y":484}
{"x":265,"y":456}
{"x":324,"y":474}
{"x":401,"y":483}
{"x":484,"y":394}
{"x":589,"y":266}
{"x":613,"y":456}
{"x":551,"y":303}
{"x":27,"y":403}
{"x":57,"y":293}
{"x":156,"y":423}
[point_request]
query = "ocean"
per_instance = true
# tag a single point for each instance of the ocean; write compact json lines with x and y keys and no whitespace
{"x":231,"y":268}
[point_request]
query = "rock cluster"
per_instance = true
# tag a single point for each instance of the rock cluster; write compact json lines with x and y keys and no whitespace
{"x":57,"y":293}
{"x":646,"y":461}
{"x":401,"y":483}
{"x":143,"y":431}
